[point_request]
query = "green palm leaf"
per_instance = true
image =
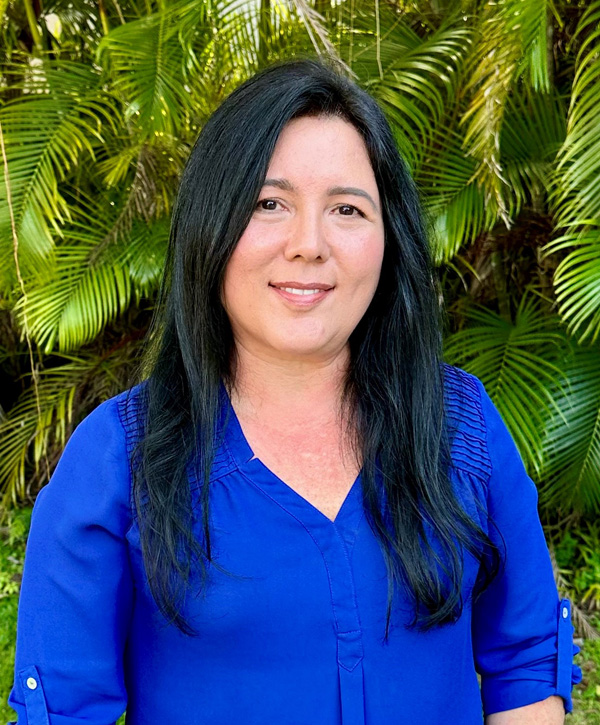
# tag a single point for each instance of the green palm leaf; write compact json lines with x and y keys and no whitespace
{"x":571,"y":445}
{"x":150,"y":62}
{"x":86,"y":286}
{"x":577,"y":280}
{"x":454,"y":198}
{"x":518,"y":363}
{"x":512,"y":39}
{"x":143,"y":256}
{"x":64,"y":99}
{"x":579,"y":159}
{"x":77,"y":385}
{"x":21,"y":428}
{"x":576,"y":196}
{"x":532,"y":133}
{"x":76,"y":305}
{"x":418,"y":74}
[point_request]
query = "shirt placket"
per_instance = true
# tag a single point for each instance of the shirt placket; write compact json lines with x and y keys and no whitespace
{"x":335,"y":541}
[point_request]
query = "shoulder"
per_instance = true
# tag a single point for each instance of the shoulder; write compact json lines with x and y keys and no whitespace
{"x":110,"y":424}
{"x":129,"y":406}
{"x":464,"y":402}
{"x":91,"y":481}
{"x":463,"y":395}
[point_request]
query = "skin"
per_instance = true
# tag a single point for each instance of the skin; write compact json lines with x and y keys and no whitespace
{"x":291,"y":360}
{"x":547,"y":712}
{"x":307,"y":235}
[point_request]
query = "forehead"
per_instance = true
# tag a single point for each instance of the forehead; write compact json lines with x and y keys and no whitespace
{"x":322,"y":148}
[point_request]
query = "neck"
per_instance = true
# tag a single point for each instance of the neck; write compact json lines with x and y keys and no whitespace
{"x":298,"y":390}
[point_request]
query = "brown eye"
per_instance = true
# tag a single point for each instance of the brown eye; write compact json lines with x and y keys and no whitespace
{"x":351,"y":208}
{"x":266,"y":201}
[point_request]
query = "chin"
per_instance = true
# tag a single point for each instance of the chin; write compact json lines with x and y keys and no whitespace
{"x":305,"y":351}
{"x":303,"y":348}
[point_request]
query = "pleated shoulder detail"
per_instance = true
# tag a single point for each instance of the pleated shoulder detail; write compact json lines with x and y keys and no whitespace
{"x":132,"y":405}
{"x":466,"y":426}
{"x":129,"y":408}
{"x":466,"y":423}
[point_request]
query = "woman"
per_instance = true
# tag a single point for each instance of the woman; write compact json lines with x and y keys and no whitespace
{"x":301,"y":515}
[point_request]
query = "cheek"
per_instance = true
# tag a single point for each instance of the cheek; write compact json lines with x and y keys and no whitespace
{"x":363,"y":262}
{"x":233,"y":282}
{"x":245,"y":270}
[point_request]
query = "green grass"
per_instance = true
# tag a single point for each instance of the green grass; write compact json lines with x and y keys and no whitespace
{"x":586,"y":695}
{"x":8,"y":629}
{"x":12,"y":552}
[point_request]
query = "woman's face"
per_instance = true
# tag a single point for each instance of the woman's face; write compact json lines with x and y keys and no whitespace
{"x":307,"y":265}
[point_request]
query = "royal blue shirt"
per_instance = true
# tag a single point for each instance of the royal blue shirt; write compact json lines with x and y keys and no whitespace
{"x":297,"y":637}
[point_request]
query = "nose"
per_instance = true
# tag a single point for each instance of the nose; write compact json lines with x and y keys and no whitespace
{"x":307,"y":238}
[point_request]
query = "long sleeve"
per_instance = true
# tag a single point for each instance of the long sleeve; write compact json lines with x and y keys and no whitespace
{"x":76,"y":595}
{"x":522,"y":633}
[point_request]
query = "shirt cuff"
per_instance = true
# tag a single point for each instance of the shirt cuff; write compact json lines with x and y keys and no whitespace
{"x":567,"y":672}
{"x":554,"y":675}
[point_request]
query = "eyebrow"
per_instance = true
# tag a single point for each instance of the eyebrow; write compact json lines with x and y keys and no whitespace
{"x":332,"y":191}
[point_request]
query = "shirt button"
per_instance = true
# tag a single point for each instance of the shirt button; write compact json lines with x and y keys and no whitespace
{"x":31,"y":683}
{"x":565,"y":612}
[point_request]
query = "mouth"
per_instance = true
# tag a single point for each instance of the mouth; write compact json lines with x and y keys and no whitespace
{"x":301,"y":294}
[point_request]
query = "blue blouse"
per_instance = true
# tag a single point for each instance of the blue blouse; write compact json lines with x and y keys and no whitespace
{"x":296,"y":637}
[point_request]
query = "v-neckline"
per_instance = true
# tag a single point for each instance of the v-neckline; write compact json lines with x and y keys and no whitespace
{"x":276,"y":487}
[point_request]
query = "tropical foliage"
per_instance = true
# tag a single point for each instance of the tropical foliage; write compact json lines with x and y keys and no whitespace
{"x":494,"y":106}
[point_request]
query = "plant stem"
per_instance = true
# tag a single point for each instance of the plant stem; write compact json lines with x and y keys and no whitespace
{"x":264,"y":31}
{"x":103,"y":17}
{"x":33,"y":26}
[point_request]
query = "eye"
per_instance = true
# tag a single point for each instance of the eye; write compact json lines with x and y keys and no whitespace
{"x":266,"y":201}
{"x":352,"y":208}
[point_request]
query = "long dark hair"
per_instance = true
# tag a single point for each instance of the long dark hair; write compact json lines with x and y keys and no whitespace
{"x":394,"y":383}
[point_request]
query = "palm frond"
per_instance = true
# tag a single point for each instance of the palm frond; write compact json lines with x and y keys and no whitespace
{"x":532,"y":133}
{"x":79,"y":301}
{"x":317,"y":32}
{"x":419,"y":74}
{"x":576,"y":189}
{"x":577,"y":280}
{"x":533,"y":20}
{"x":145,"y":175}
{"x":149,"y":63}
{"x":65,"y":99}
{"x":143,"y":255}
{"x":571,"y":444}
{"x":518,"y":363}
{"x":65,"y":391}
{"x":21,"y":428}
{"x":85,"y":286}
{"x":512,"y":39}
{"x":454,"y":198}
{"x":578,"y":171}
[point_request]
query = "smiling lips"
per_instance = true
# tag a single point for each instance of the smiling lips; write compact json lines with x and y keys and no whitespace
{"x":301,"y":294}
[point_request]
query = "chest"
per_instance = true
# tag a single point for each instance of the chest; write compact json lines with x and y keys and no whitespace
{"x":315,"y":463}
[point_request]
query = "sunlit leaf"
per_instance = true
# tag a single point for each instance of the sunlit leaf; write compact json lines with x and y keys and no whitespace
{"x":519,"y":365}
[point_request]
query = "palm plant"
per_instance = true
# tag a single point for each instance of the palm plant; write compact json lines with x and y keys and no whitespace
{"x":492,"y":103}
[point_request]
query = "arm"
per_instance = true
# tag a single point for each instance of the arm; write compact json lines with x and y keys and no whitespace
{"x":522,"y":633}
{"x":76,"y":594}
{"x":546,"y":712}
